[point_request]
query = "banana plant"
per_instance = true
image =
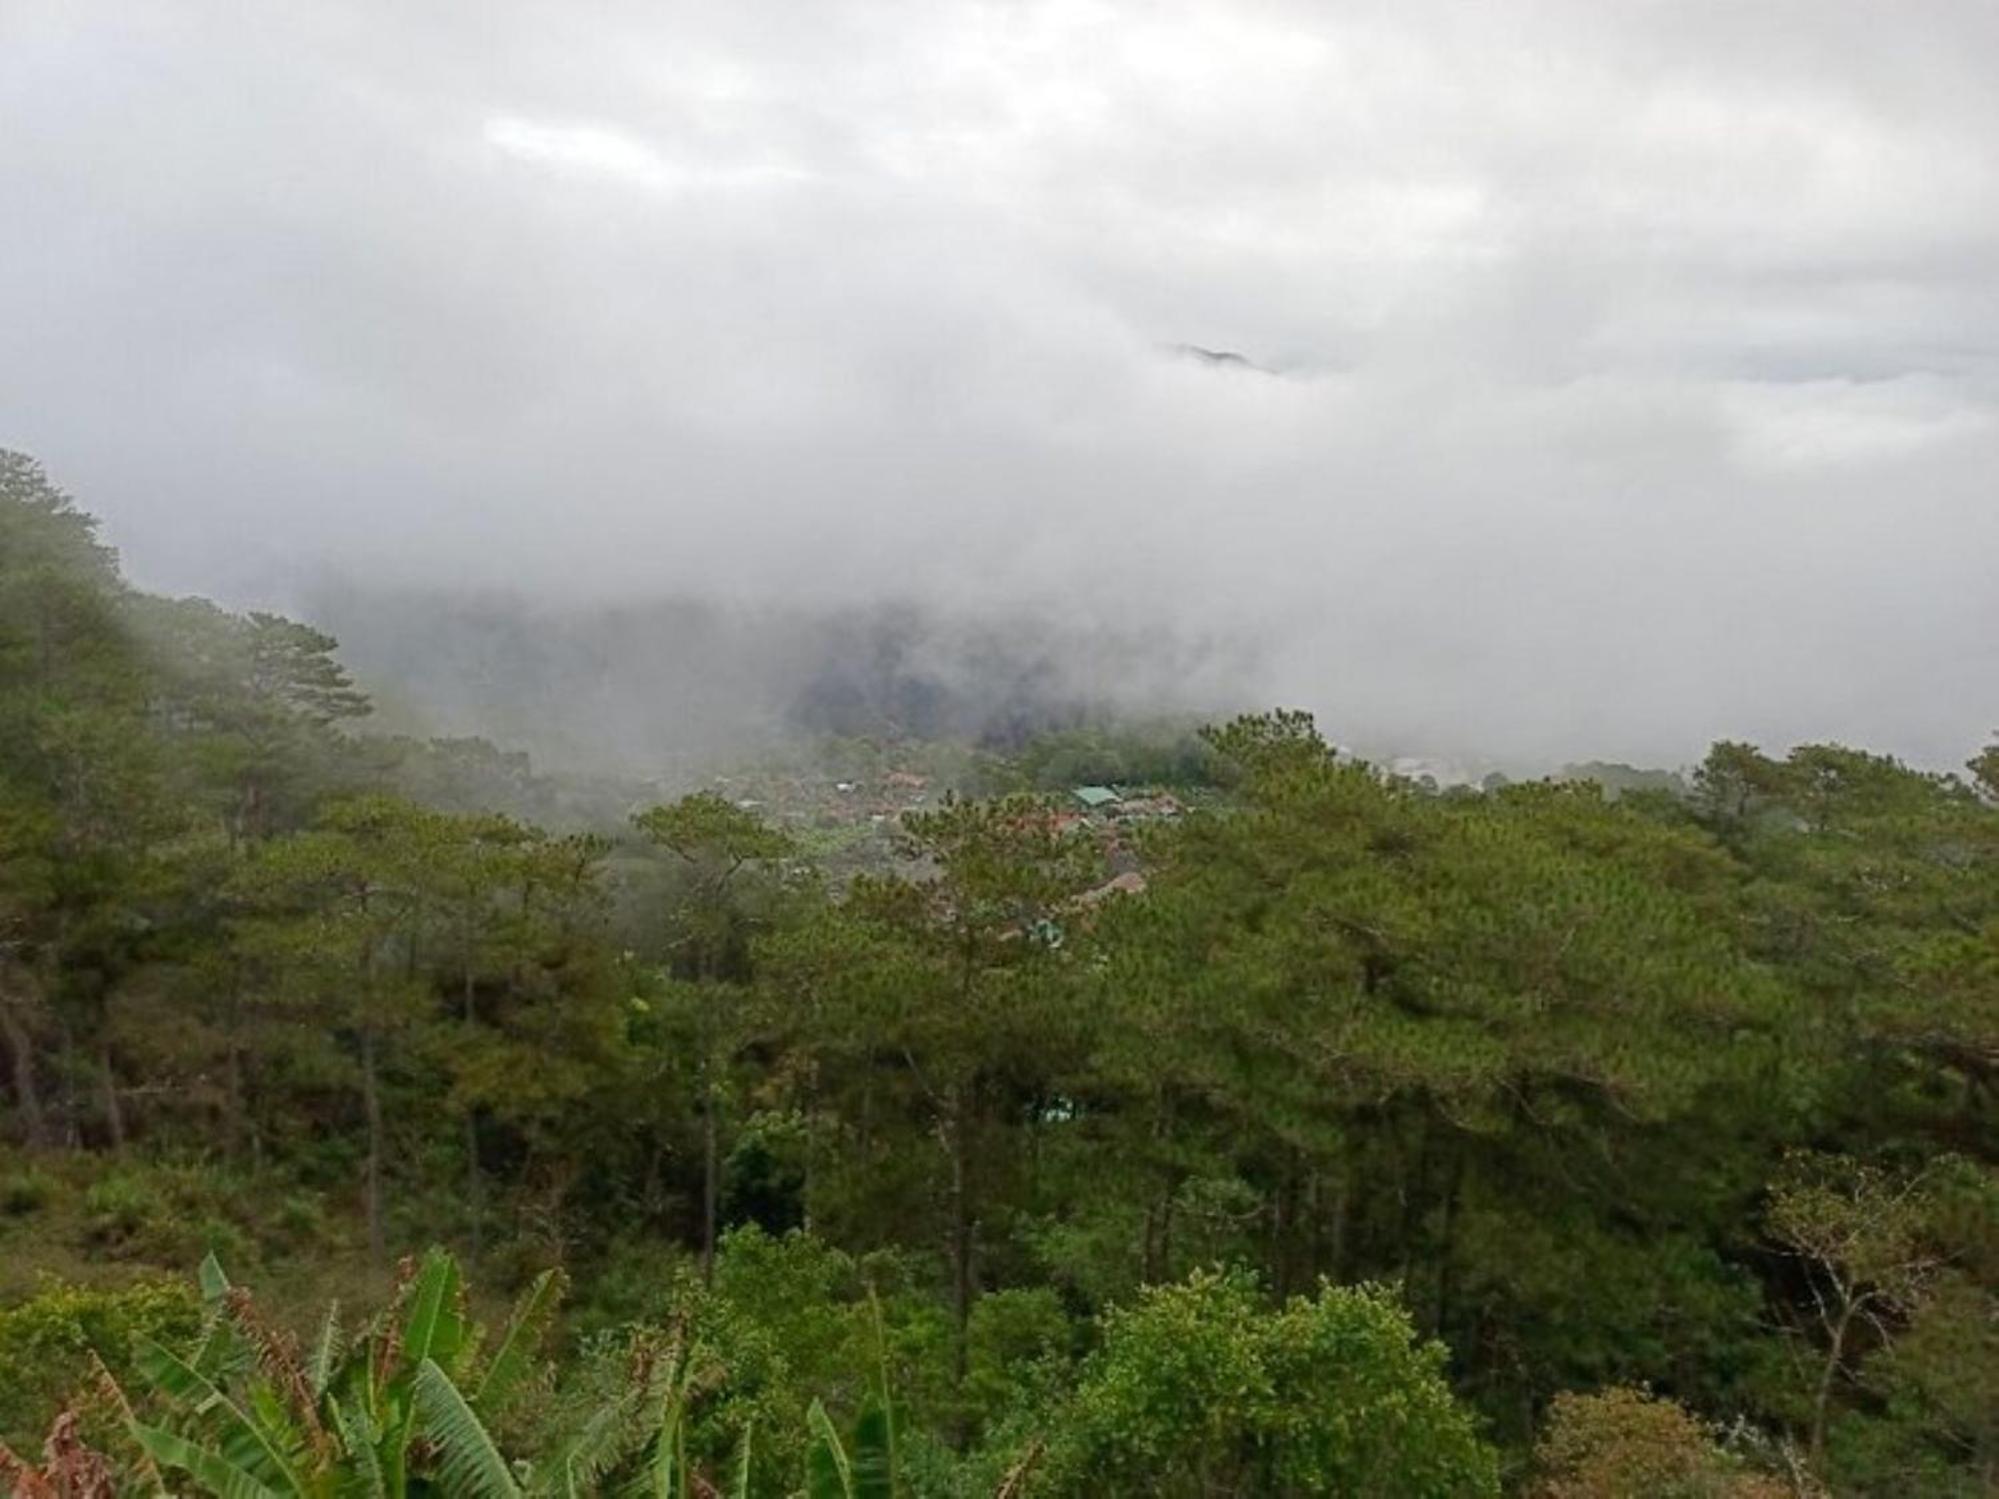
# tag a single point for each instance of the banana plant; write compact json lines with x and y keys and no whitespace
{"x":866,"y":1469}
{"x":635,"y":1442}
{"x":405,"y":1407}
{"x":385,"y":1413}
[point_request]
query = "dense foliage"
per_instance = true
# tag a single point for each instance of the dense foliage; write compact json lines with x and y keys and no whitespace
{"x":1362,"y":1138}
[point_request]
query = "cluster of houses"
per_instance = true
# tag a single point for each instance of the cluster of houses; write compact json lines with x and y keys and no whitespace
{"x":1116,"y":805}
{"x":860,"y":815}
{"x":1110,"y":812}
{"x":806,"y":801}
{"x":820,"y":801}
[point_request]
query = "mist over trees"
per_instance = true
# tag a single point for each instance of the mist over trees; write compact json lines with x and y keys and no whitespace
{"x":1178,"y":1115}
{"x":646,"y":688}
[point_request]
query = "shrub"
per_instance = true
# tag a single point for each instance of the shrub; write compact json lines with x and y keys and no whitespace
{"x":1200,"y":1388}
{"x":24,"y":1192}
{"x":1626,"y":1442}
{"x":46,"y":1341}
{"x":121,"y":1212}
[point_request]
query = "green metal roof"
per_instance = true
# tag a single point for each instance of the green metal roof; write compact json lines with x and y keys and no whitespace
{"x":1096,"y":796}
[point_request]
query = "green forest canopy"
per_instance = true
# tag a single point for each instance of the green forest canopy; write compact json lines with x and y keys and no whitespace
{"x":1370,"y":1140}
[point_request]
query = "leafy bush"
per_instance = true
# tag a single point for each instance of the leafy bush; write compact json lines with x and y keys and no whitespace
{"x":1016,"y":1341}
{"x":24,"y":1192}
{"x":1627,"y":1442}
{"x":123,"y":1211}
{"x":1199,"y":1389}
{"x":169,"y":1214}
{"x":46,"y":1343}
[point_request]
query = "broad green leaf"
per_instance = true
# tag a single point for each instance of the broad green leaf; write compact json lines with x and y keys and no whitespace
{"x":874,"y":1452}
{"x":358,"y":1438}
{"x":468,"y":1460}
{"x":221,"y":1477}
{"x":214,"y":1284}
{"x":325,"y":1351}
{"x":433,"y":1328}
{"x":249,"y":1442}
{"x":513,"y":1360}
{"x":827,"y":1472}
{"x":666,"y":1469}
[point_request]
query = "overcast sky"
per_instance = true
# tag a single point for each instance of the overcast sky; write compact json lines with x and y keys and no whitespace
{"x":1627,"y":374}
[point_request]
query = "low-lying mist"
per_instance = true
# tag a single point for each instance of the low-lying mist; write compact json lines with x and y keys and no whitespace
{"x":684,"y":685}
{"x":1498,"y":574}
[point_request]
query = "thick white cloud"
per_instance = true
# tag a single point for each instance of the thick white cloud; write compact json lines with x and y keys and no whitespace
{"x":1630,"y":373}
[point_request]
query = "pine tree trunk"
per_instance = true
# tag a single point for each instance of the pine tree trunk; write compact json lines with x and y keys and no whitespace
{"x":1447,"y":1237}
{"x":474,"y":1187}
{"x":114,"y":1111}
{"x":654,"y":1191}
{"x":1156,"y":1258}
{"x":250,"y":812}
{"x":371,"y":1103}
{"x":236,"y":1103}
{"x":1283,"y":1224}
{"x":710,"y":1169}
{"x":811,"y":1151}
{"x":961,"y":1235}
{"x":1822,"y":1398}
{"x":69,"y":1069}
{"x":1414,"y":1185}
{"x":1148,"y":1249}
{"x":21,"y":1060}
{"x":1315,"y":1235}
{"x":1336,"y":1235}
{"x":233,"y":1073}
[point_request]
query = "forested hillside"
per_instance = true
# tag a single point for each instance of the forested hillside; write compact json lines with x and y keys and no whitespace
{"x":1313,"y":1132}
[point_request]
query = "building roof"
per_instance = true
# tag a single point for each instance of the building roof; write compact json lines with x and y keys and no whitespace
{"x":1131,"y":882}
{"x":1096,"y":796}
